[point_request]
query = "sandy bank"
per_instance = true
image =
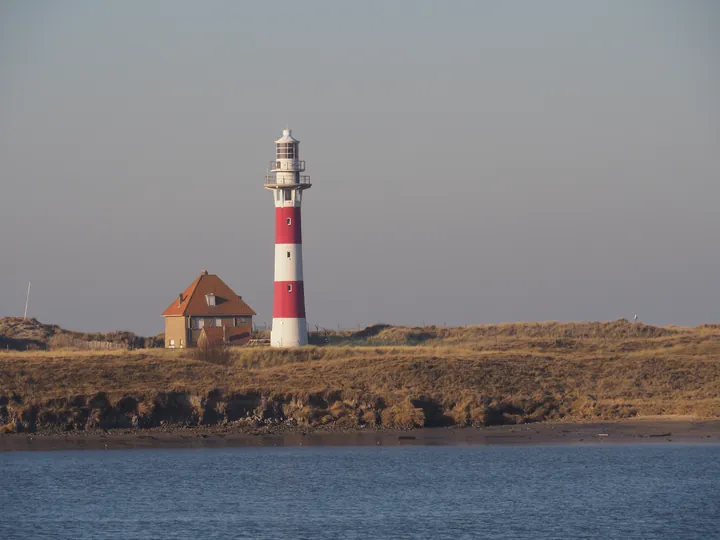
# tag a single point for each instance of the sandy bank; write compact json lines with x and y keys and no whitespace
{"x":642,"y":431}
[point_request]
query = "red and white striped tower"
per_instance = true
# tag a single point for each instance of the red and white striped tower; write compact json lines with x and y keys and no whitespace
{"x":289,"y":327}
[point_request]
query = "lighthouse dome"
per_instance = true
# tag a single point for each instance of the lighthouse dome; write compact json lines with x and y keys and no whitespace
{"x":286,"y":137}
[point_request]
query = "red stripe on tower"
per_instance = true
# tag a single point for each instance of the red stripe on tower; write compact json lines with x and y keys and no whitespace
{"x":289,"y":300}
{"x":287,"y":225}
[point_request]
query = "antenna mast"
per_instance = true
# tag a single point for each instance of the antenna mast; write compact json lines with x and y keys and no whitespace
{"x":27,"y":301}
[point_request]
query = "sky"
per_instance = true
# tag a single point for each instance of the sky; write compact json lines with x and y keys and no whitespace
{"x":472,"y":162}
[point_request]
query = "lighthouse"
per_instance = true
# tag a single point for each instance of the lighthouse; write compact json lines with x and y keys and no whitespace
{"x":287,"y":184}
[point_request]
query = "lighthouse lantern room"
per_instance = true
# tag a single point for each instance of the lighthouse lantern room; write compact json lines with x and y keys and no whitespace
{"x":289,"y":326}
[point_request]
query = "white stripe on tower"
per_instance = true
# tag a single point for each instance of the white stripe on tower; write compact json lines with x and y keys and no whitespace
{"x":287,"y":257}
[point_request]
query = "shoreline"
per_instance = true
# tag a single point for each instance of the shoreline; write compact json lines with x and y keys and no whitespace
{"x":631,"y":431}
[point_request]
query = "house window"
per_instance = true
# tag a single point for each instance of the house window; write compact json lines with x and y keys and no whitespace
{"x":218,"y":322}
{"x":210,"y":299}
{"x":288,"y":221}
{"x":199,"y":323}
{"x":289,"y":287}
{"x":181,"y":343}
{"x":172,"y":343}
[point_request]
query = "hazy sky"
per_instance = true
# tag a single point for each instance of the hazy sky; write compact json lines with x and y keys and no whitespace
{"x":472,"y":162}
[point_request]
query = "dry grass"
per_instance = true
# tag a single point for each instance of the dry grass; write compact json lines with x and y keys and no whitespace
{"x":17,"y":333}
{"x":486,"y":374}
{"x":382,"y":334}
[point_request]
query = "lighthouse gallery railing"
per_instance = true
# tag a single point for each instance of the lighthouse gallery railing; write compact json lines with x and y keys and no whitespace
{"x":302,"y":179}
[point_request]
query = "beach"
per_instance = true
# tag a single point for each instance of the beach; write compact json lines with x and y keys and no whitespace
{"x":634,"y":431}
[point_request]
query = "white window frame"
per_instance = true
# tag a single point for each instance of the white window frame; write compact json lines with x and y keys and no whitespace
{"x":286,"y":151}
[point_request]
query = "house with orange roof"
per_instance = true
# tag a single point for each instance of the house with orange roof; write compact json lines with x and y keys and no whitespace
{"x":208,"y":303}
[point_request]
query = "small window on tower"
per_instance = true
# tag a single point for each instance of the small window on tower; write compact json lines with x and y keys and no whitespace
{"x":289,"y":287}
{"x":288,"y":194}
{"x":288,"y":221}
{"x":285,"y":151}
{"x":288,"y":255}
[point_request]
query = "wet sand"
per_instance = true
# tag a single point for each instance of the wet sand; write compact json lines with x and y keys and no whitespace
{"x":640,"y":431}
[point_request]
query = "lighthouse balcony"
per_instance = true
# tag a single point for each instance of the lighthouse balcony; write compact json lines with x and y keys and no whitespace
{"x":299,"y":182}
{"x":291,"y":166}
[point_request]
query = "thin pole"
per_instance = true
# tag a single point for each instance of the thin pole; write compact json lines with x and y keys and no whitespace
{"x":27,"y":301}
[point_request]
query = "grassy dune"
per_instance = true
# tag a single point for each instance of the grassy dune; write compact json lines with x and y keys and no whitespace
{"x":495,"y":374}
{"x":17,"y":333}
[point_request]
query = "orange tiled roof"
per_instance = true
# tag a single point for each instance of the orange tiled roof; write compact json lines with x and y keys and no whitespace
{"x":193,"y":300}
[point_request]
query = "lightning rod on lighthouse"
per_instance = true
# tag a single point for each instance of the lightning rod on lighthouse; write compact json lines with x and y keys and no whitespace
{"x":289,"y":326}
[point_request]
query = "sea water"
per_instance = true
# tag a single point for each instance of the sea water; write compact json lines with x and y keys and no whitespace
{"x":440,"y":492}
